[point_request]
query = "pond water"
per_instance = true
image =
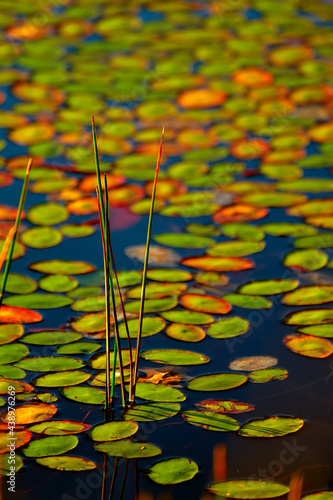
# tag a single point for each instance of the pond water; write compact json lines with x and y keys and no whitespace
{"x":244,"y":91}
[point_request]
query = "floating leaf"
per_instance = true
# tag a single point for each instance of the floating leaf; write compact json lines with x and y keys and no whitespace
{"x":228,"y":327}
{"x":32,"y":133}
{"x":149,"y":412}
{"x":253,"y":363}
{"x":210,"y":263}
{"x":84,"y":291}
{"x":11,"y":353}
{"x":180,"y":240}
{"x":288,"y":229}
{"x":52,"y":337}
{"x":41,"y":237}
{"x":83,"y":394}
{"x":158,"y":393}
{"x":217,"y":382}
{"x":18,"y":437}
{"x":57,"y":283}
{"x":47,"y":214}
{"x":58,"y":266}
{"x":59,"y":427}
{"x":309,"y":295}
{"x":30,"y":413}
{"x":173,"y":470}
{"x":321,"y":240}
{"x":98,"y":361}
{"x":271,"y":427}
{"x":76,"y":230}
{"x":17,"y":283}
{"x":309,"y":317}
{"x":307,"y":345}
{"x":225,"y":406}
{"x":248,"y":488}
{"x":201,"y":98}
{"x":175,"y":357}
{"x":128,"y":449}
{"x":38,"y":301}
{"x":236,"y":248}
{"x":248,"y":301}
{"x":9,"y":371}
{"x":151,"y":305}
{"x":319,"y":495}
{"x":244,"y":232}
{"x":62,"y":379}
{"x":305,"y":260}
{"x":78,"y":348}
{"x":19,"y":387}
{"x":165,"y":275}
{"x":90,"y":323}
{"x":6,"y":466}
{"x":67,"y":463}
{"x":9,"y":333}
{"x":111,"y":431}
{"x":273,"y":199}
{"x":268,"y":287}
{"x":50,"y":364}
{"x":186,"y":333}
{"x":211,"y":278}
{"x":188,"y":317}
{"x":9,"y":314}
{"x":261,"y":376}
{"x":211,"y":421}
{"x":157,"y":290}
{"x":204,"y":303}
{"x":318,"y":330}
{"x":49,"y":446}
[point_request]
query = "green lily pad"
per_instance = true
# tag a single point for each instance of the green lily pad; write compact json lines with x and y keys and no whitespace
{"x":308,"y":185}
{"x":180,"y":240}
{"x":150,"y":326}
{"x":202,"y":229}
{"x":41,"y":237}
{"x":112,"y":431}
{"x":49,"y":446}
{"x":309,"y":295}
{"x":62,"y":379}
{"x":58,"y":266}
{"x":52,"y":337}
{"x":149,"y":412}
{"x":319,"y":495}
{"x":19,"y":387}
{"x":165,"y":275}
{"x":19,"y":249}
{"x":271,"y":427}
{"x":265,"y":375}
{"x":79,"y":348}
{"x":211,"y":421}
{"x":186,"y":333}
{"x":6,"y":464}
{"x":225,"y":406}
{"x":59,"y":427}
{"x":288,"y":229}
{"x":50,"y":364}
{"x":84,"y":291}
{"x":175,"y":357}
{"x":211,"y":278}
{"x":151,"y":305}
{"x":318,"y":330}
{"x":173,"y":471}
{"x":128,"y":449}
{"x":91,"y":304}
{"x":17,"y":283}
{"x":98,"y":361}
{"x":10,"y":353}
{"x":321,"y":240}
{"x":309,"y":317}
{"x":57,"y":283}
{"x":9,"y":371}
{"x":248,"y":301}
{"x":217,"y":382}
{"x":83,"y":394}
{"x":77,"y":230}
{"x":188,"y":317}
{"x":67,"y":463}
{"x":10,"y":332}
{"x":273,"y":199}
{"x":89,"y":323}
{"x":305,"y":260}
{"x":236,"y":248}
{"x":129,"y":278}
{"x":268,"y":287}
{"x":307,"y":345}
{"x":248,"y":488}
{"x":158,"y":393}
{"x":47,"y":214}
{"x":244,"y":232}
{"x":228,"y":327}
{"x":157,"y":290}
{"x":38,"y":301}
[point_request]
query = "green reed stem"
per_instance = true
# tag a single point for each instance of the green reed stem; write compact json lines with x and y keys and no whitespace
{"x":15,"y":231}
{"x":145,"y":269}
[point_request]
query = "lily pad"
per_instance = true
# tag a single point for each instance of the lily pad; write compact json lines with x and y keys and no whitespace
{"x":306,"y":260}
{"x":19,"y":437}
{"x":253,"y":363}
{"x":158,"y":393}
{"x":225,"y":406}
{"x":6,"y":465}
{"x":58,"y":266}
{"x":217,"y":382}
{"x":67,"y":463}
{"x":41,"y":237}
{"x":38,"y":301}
{"x":157,"y":290}
{"x":30,"y":413}
{"x":186,"y":333}
{"x":307,"y":345}
{"x":90,"y":323}
{"x":248,"y":301}
{"x":175,"y":357}
{"x":309,"y":295}
{"x":261,"y":376}
{"x":228,"y":327}
{"x":321,"y":240}
{"x":9,"y":314}
{"x":98,"y":361}
{"x":244,"y":232}
{"x":188,"y":317}
{"x":149,"y":412}
{"x":59,"y":427}
{"x":204,"y":303}
{"x":210,"y":263}
{"x":268,"y":287}
{"x":57,"y":283}
{"x":236,"y":248}
{"x":128,"y":449}
{"x":19,"y":387}
{"x":150,"y":326}
{"x":112,"y":431}
{"x":319,"y":495}
{"x":10,"y":353}
{"x":271,"y":427}
{"x":78,"y":348}
{"x":84,"y":394}
{"x":47,"y":214}
{"x":9,"y":333}
{"x":248,"y":488}
{"x":309,"y":317}
{"x":165,"y":275}
{"x":173,"y":471}
{"x":151,"y":305}
{"x":52,"y":337}
{"x":50,"y":364}
{"x":288,"y":229}
{"x":49,"y":446}
{"x":180,"y":240}
{"x":318,"y":330}
{"x":211,"y":421}
{"x":62,"y":379}
{"x":211,"y":278}
{"x":17,"y":283}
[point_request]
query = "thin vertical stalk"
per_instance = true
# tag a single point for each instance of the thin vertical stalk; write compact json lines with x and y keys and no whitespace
{"x":15,"y":230}
{"x":145,"y":268}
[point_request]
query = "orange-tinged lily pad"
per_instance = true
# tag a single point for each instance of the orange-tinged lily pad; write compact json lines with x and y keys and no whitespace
{"x":209,"y":263}
{"x":30,"y":413}
{"x":8,"y":384}
{"x":239,"y":213}
{"x":204,"y":303}
{"x":10,"y":314}
{"x":225,"y":406}
{"x":125,"y":195}
{"x":20,"y":438}
{"x":307,"y":345}
{"x":33,"y":133}
{"x":252,"y":77}
{"x":83,"y":206}
{"x":249,"y":149}
{"x":201,"y":98}
{"x":89,"y":183}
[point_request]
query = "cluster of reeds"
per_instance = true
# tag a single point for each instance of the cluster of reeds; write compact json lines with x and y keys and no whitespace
{"x":111,"y":279}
